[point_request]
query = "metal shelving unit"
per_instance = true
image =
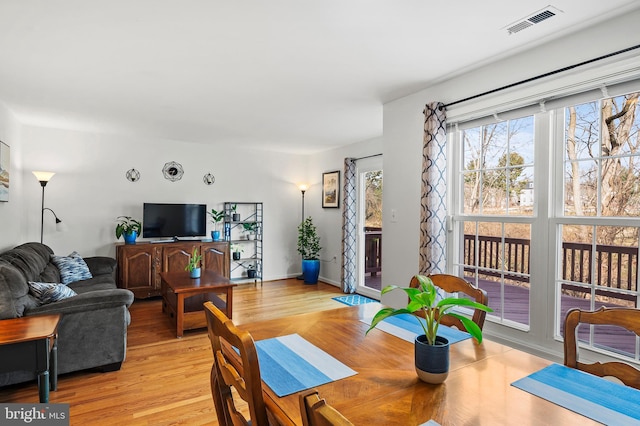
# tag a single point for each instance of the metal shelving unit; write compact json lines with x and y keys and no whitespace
{"x":250,"y":215}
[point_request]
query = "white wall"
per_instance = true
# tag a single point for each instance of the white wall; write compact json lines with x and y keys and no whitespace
{"x":329,"y":221}
{"x":11,"y":212}
{"x":90,"y":190}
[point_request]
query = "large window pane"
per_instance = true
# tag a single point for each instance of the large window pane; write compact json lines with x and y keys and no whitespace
{"x":599,"y":268}
{"x":496,"y":259}
{"x":497,"y":168}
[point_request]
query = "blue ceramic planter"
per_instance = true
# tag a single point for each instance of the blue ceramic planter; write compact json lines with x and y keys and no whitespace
{"x":195,"y":273}
{"x":130,"y":237}
{"x":310,"y":271}
{"x":215,"y":235}
{"x":432,"y":361}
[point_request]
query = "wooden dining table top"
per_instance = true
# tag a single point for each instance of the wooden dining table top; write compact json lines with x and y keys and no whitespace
{"x":387,"y":391}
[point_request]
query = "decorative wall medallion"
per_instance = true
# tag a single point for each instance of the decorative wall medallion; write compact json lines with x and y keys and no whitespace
{"x":133,"y":175}
{"x":209,"y":179}
{"x":172,"y":171}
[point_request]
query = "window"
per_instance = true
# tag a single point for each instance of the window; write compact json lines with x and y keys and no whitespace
{"x":497,"y":186}
{"x":583,"y":220}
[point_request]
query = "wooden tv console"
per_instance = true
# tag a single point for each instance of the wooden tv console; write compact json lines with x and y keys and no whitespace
{"x":140,"y":264}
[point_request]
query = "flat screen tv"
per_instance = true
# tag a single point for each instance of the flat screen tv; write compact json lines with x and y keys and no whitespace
{"x":174,"y":220}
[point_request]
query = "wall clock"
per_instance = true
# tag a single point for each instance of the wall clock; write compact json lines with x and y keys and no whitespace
{"x":172,"y":171}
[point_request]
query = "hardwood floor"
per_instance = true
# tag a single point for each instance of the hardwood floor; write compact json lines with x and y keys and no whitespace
{"x":165,"y":380}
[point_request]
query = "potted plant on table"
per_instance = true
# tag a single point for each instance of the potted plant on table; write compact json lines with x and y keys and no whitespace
{"x":216,"y":218}
{"x":129,"y":228}
{"x":194,"y":264}
{"x":431,"y":350}
{"x":309,"y":248}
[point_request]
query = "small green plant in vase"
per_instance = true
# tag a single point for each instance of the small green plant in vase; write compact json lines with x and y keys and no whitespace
{"x":194,"y":264}
{"x":236,"y":251}
{"x":129,"y":228}
{"x":425,"y":299}
{"x":250,"y":229}
{"x":216,"y":218}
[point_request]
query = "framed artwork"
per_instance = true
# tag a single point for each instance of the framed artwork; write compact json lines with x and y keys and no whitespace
{"x":4,"y":171}
{"x":331,"y":190}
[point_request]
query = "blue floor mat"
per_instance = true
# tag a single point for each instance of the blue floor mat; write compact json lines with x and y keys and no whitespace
{"x":353,"y":299}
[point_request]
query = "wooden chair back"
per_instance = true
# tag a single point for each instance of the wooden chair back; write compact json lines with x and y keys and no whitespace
{"x":316,"y":412}
{"x":454,"y":284}
{"x":238,"y":370}
{"x":628,"y":318}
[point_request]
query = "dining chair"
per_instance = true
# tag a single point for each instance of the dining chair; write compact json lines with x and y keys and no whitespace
{"x":454,"y":284}
{"x":316,"y":412}
{"x":628,"y":318}
{"x":235,"y":366}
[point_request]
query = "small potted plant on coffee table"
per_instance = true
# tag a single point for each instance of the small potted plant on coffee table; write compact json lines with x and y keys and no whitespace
{"x":194,"y":264}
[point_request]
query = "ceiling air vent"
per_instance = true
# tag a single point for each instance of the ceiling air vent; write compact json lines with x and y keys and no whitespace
{"x":532,"y":19}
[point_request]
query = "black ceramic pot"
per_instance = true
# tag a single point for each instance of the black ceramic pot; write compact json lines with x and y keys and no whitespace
{"x":432,"y":361}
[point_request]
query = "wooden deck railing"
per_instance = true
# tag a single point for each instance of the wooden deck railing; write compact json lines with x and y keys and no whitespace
{"x":372,"y":250}
{"x":616,"y":266}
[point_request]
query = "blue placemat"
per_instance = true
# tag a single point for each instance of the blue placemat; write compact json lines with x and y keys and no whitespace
{"x":591,"y":396}
{"x":290,"y":364}
{"x":406,"y":327}
{"x":354,"y":299}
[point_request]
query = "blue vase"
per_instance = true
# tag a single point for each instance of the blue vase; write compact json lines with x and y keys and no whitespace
{"x":310,"y":270}
{"x":215,"y":235}
{"x":195,"y":273}
{"x":130,"y":237}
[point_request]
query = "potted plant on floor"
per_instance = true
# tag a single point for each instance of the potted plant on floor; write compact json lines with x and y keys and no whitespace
{"x":194,"y":264}
{"x":129,"y":228}
{"x":309,"y":248}
{"x":216,"y":218}
{"x":431,"y":350}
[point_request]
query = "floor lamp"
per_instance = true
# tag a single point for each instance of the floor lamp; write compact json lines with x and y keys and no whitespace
{"x":44,"y":178}
{"x":303,"y":189}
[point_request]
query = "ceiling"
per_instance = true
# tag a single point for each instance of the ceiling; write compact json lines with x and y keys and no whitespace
{"x":288,"y":75}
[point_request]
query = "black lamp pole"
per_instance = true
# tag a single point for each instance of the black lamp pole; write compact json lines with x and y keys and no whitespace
{"x":43,"y":183}
{"x":303,"y":188}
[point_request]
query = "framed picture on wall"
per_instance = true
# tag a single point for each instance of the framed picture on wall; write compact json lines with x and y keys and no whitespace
{"x":331,"y":190}
{"x":4,"y":171}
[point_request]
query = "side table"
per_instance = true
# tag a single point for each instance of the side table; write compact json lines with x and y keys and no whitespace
{"x":31,"y":343}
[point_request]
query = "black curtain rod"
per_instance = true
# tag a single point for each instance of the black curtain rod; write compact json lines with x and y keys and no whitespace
{"x":628,"y":49}
{"x":368,"y":156}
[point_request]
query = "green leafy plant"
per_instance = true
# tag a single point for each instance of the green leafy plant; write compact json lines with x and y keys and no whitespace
{"x":216,"y":216}
{"x":250,"y":227}
{"x":235,"y":248}
{"x":424,"y":299}
{"x":126,"y":225}
{"x":194,"y":262}
{"x":308,"y":240}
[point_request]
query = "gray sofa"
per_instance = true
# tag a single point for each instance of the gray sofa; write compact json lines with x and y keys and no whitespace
{"x":93,"y":329}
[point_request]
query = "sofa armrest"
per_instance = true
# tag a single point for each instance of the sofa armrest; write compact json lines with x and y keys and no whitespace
{"x":92,"y":300}
{"x":101,"y":265}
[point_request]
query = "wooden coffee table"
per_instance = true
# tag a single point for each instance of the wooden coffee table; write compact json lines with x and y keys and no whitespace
{"x":30,"y":343}
{"x":183,"y":297}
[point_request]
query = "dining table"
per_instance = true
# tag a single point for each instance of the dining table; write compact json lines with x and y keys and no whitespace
{"x":386,"y":390}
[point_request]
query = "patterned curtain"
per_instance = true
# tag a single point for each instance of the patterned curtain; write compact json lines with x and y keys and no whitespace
{"x":349,"y":235}
{"x":433,"y":209}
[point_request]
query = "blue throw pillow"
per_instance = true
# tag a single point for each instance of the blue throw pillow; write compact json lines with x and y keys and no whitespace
{"x":50,"y":292}
{"x":72,"y":268}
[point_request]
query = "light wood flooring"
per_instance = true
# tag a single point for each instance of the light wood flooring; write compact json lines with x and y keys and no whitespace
{"x":165,"y":380}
